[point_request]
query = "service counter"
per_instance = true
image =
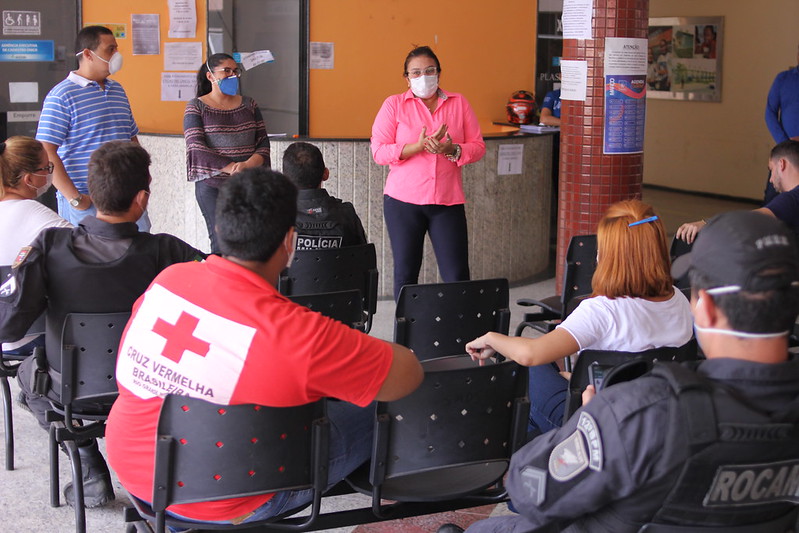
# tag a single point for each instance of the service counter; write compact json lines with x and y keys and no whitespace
{"x":508,"y":215}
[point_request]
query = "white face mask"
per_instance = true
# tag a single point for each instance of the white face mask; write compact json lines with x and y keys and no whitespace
{"x":114,"y":64}
{"x":424,"y":86}
{"x":48,"y":181}
{"x":741,"y":334}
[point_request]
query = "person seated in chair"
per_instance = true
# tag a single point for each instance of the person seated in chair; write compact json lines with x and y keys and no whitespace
{"x":783,"y":165}
{"x":322,"y":220}
{"x":710,"y":443}
{"x":634,"y":307}
{"x":225,"y":329}
{"x":101,"y":266}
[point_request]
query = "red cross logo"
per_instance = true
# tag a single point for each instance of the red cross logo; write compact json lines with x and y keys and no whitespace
{"x":180,"y":337}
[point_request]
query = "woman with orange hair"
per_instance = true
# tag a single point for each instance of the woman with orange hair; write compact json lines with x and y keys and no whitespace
{"x":634,"y":307}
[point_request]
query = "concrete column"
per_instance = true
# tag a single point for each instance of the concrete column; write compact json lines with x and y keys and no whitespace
{"x":589,"y":180}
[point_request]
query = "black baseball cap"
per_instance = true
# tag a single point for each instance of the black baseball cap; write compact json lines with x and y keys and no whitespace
{"x":743,"y":250}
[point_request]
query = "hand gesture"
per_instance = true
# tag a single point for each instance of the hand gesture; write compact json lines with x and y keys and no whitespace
{"x":689,"y":231}
{"x":479,"y":350}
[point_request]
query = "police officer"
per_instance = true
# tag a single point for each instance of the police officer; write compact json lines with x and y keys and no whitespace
{"x":322,"y":220}
{"x":714,"y":444}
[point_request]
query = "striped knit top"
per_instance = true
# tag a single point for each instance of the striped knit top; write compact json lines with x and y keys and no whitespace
{"x":78,"y":116}
{"x":216,"y":137}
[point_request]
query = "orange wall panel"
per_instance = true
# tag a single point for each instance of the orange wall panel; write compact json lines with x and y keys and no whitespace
{"x":141,"y":75}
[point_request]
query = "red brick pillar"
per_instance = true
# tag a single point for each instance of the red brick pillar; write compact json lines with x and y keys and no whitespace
{"x":589,"y":180}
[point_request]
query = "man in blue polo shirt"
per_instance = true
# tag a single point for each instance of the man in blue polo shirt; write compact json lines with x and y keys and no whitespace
{"x":80,"y":114}
{"x":782,"y":112}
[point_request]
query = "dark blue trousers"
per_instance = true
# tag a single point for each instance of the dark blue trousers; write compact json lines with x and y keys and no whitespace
{"x":206,"y":198}
{"x":407,"y":225}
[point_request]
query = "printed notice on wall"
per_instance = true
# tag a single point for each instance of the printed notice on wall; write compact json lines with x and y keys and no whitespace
{"x":251,"y":60}
{"x":183,"y":56}
{"x":22,"y":23}
{"x":23,"y":92}
{"x":625,"y":95}
{"x":573,"y":79}
{"x":178,"y":86}
{"x":509,"y":159}
{"x":182,"y":19}
{"x":577,"y":15}
{"x":146,"y":35}
{"x":322,"y":55}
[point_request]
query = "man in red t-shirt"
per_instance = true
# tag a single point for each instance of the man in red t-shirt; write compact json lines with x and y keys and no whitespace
{"x":221,"y":331}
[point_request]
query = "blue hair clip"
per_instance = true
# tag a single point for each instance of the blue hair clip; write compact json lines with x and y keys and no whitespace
{"x":642,"y":221}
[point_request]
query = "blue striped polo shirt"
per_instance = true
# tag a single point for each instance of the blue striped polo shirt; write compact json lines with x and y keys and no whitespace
{"x":78,"y":116}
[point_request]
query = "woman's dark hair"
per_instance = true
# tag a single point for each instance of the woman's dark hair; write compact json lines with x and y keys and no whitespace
{"x":418,"y":51}
{"x":203,"y":83}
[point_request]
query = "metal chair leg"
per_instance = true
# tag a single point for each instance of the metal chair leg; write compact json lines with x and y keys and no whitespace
{"x":77,"y":486}
{"x":8,"y":418}
{"x":55,"y":499}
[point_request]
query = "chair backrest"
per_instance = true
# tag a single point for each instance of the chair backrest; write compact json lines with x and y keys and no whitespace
{"x":680,"y":247}
{"x":245,"y":449}
{"x":344,"y":306}
{"x":619,"y":366}
{"x":438,"y":319}
{"x":580,"y":267}
{"x":335,"y":269}
{"x":454,"y":434}
{"x":89,"y":344}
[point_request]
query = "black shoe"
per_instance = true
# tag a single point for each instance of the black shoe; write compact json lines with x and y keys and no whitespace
{"x":97,"y":488}
{"x":450,"y":528}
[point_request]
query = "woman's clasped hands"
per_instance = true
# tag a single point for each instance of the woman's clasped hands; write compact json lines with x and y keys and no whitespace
{"x":438,"y":143}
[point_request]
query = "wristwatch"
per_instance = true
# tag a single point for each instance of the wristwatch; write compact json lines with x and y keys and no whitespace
{"x":454,"y":156}
{"x":75,"y":202}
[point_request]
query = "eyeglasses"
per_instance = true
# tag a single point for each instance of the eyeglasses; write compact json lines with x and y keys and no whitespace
{"x":49,"y":168}
{"x":229,"y":71}
{"x":429,"y":71}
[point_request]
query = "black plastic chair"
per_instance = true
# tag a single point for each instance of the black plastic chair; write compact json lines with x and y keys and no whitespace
{"x":344,"y":306}
{"x":680,"y":247}
{"x":580,"y":266}
{"x":266,"y":449}
{"x":88,"y":388}
{"x":783,"y":524}
{"x":619,"y":366}
{"x":9,"y":364}
{"x":451,"y":438}
{"x":438,"y":319}
{"x":335,"y":269}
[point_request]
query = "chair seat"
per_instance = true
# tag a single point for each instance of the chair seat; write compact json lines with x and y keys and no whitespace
{"x":435,"y":485}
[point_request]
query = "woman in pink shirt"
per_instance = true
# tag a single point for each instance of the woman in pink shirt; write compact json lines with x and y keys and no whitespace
{"x":426,"y":135}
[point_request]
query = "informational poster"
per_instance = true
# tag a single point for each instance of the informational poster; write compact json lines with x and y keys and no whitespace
{"x":146,"y":35}
{"x":577,"y":18}
{"x":183,"y":56}
{"x":120,"y":30}
{"x":178,"y":86}
{"x":253,"y":59}
{"x":625,"y":95}
{"x":27,"y":50}
{"x":322,"y":55}
{"x":574,"y":79}
{"x":509,"y":159}
{"x":23,"y":92}
{"x":182,"y":19}
{"x":22,"y":23}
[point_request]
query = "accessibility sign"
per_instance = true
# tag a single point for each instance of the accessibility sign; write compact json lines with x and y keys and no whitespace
{"x":22,"y":23}
{"x":27,"y":51}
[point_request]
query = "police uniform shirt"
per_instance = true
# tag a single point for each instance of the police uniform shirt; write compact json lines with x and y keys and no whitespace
{"x":326,"y":222}
{"x":611,"y":466}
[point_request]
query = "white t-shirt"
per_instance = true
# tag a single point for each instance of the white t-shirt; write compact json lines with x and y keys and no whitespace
{"x":21,"y":221}
{"x":630,"y":324}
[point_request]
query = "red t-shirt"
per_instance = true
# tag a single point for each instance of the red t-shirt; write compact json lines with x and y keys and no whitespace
{"x":220,"y":332}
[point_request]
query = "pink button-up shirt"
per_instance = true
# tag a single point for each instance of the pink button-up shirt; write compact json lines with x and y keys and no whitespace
{"x":425,"y":178}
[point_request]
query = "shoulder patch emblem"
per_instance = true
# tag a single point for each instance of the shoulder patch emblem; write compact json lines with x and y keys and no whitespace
{"x":535,"y":482}
{"x":588,"y":426}
{"x":21,"y":256}
{"x":568,"y":458}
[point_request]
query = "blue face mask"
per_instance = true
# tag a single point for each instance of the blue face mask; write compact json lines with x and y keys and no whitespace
{"x":229,"y":86}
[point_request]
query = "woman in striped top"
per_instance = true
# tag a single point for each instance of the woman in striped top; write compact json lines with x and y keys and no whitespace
{"x":224,"y":134}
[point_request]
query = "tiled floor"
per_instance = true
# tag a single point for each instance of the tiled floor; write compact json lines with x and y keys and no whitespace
{"x":24,"y":491}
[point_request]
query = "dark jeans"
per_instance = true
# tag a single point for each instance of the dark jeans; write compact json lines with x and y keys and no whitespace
{"x":547,"y":389}
{"x":407,"y":225}
{"x":206,"y":198}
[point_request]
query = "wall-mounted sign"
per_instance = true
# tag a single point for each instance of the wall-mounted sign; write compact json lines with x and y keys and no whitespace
{"x":22,"y":23}
{"x":27,"y":51}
